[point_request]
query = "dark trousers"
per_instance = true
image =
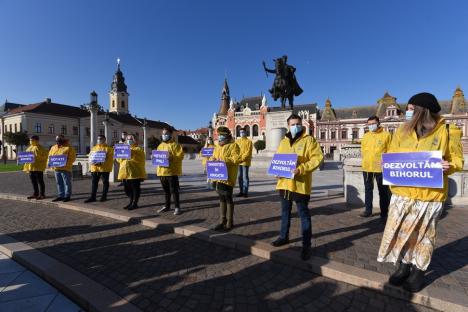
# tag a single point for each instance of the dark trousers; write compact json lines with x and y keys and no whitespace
{"x":37,"y":180}
{"x":226,"y":204}
{"x":304,"y":214}
{"x":384,"y":192}
{"x":133,"y":189}
{"x":95,"y":182}
{"x":170,"y":185}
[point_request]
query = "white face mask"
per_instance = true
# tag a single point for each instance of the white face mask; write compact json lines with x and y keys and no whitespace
{"x":373,"y":127}
{"x":409,"y":114}
{"x":166,"y":137}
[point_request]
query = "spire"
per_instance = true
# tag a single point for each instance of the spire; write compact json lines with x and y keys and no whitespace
{"x":118,"y":83}
{"x":386,"y":101}
{"x":458,"y":104}
{"x":225,"y":99}
{"x":328,"y":113}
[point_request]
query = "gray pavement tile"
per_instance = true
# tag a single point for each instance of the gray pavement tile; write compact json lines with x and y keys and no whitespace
{"x":26,"y":285}
{"x":31,"y":304}
{"x":8,"y":265}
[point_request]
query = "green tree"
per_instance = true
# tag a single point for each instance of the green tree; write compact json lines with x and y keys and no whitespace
{"x":153,"y":142}
{"x":259,"y":145}
{"x":17,"y":139}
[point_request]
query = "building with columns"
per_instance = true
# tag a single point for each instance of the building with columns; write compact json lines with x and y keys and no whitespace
{"x":48,"y":119}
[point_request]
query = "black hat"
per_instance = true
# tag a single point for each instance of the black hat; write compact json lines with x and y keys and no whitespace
{"x":224,"y":131}
{"x":425,"y":100}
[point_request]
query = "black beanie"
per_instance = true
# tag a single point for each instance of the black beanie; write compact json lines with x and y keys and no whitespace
{"x":425,"y":100}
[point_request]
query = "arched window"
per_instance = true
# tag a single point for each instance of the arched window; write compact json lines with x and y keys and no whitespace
{"x":238,"y":129}
{"x":122,"y":104}
{"x":113,"y":103}
{"x":255,"y":130}
{"x":247,"y":130}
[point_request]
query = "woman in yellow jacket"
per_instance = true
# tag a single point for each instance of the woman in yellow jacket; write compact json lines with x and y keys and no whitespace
{"x":411,"y":229}
{"x":228,"y":151}
{"x":101,"y":169}
{"x":208,"y":144}
{"x":132,"y":172}
{"x":36,"y":168}
{"x":63,"y":174}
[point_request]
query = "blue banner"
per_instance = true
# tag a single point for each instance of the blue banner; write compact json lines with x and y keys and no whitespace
{"x":97,"y":157}
{"x":216,"y":170}
{"x":122,"y":151}
{"x":207,"y":151}
{"x":160,"y":158}
{"x":25,"y":158}
{"x":282,"y":165}
{"x":418,"y":169}
{"x":57,"y":161}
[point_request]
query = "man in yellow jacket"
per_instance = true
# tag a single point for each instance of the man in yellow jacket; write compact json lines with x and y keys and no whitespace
{"x":100,"y":168}
{"x":208,"y":144}
{"x":63,"y":173}
{"x":245,"y":147}
{"x":373,"y":145}
{"x":169,"y":176}
{"x":309,"y":158}
{"x":36,"y":168}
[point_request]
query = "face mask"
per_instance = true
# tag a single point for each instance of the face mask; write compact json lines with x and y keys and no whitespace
{"x":166,"y":137}
{"x":295,"y":130}
{"x":409,"y":115}
{"x":100,"y":141}
{"x":222,"y":138}
{"x":210,"y":142}
{"x":130,"y":142}
{"x":373,"y":127}
{"x":242,"y":133}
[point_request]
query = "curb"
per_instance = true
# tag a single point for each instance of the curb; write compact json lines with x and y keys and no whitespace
{"x":438,"y":299}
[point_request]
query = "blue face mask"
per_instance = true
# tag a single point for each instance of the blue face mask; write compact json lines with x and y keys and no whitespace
{"x":295,"y":130}
{"x":221,"y":138}
{"x":242,"y":133}
{"x":409,"y":114}
{"x":373,"y":127}
{"x":166,"y":137}
{"x":130,"y":142}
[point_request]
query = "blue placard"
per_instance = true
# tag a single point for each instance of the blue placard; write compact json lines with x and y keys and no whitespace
{"x":160,"y":158}
{"x":282,"y":165}
{"x":122,"y":151}
{"x":57,"y":161}
{"x":97,"y":157}
{"x":25,"y":158}
{"x":207,"y":151}
{"x":216,"y":170}
{"x":418,"y":169}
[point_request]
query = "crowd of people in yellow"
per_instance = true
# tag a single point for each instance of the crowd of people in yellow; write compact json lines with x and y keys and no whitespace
{"x":410,"y":214}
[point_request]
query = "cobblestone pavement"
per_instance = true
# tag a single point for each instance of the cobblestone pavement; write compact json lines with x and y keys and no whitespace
{"x":159,"y":271}
{"x":339,"y":233}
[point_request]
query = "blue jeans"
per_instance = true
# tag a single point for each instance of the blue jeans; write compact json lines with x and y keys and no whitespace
{"x":243,"y":177}
{"x":64,"y":186}
{"x":306,"y":223}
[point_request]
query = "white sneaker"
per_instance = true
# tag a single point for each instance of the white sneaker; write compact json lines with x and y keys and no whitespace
{"x":163,"y":209}
{"x":176,"y":211}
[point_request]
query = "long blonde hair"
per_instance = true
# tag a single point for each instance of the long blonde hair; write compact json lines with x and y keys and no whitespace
{"x":423,"y":121}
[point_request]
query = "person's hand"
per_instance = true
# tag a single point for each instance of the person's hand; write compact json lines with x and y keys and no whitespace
{"x":214,"y":159}
{"x":295,"y":171}
{"x":445,"y":165}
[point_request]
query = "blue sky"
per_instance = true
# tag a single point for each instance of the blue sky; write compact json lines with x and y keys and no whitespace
{"x":175,"y":54}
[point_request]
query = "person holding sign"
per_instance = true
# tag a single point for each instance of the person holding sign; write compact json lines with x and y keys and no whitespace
{"x":411,"y":229}
{"x":101,"y":159}
{"x":132,"y":172}
{"x":228,"y":152}
{"x":373,"y":145}
{"x":61,"y":158}
{"x":36,"y":167}
{"x":245,"y":147}
{"x":169,"y":175}
{"x":298,"y":188}
{"x":205,"y":155}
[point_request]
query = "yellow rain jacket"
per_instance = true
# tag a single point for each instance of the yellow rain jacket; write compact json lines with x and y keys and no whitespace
{"x":373,"y":145}
{"x":229,"y":153}
{"x":204,"y":159}
{"x":309,"y":157}
{"x":106,"y":166}
{"x":65,"y":149}
{"x":245,"y":147}
{"x":133,"y":168}
{"x":437,"y":140}
{"x":40,"y":158}
{"x":176,"y":155}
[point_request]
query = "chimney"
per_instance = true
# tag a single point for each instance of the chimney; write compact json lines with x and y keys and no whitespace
{"x":48,"y":100}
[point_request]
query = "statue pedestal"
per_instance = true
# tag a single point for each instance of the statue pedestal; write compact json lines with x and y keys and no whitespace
{"x":276,"y":128}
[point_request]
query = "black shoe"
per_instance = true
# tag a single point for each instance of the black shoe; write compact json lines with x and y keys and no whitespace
{"x":90,"y":200}
{"x":57,"y":199}
{"x":128,"y":206}
{"x":66,"y":199}
{"x":218,"y":227}
{"x":240,"y":195}
{"x":32,"y":197}
{"x":163,"y":209}
{"x":280,"y":242}
{"x":415,"y":282}
{"x":401,"y":274}
{"x":366,"y":214}
{"x":306,"y":253}
{"x":103,"y":199}
{"x":246,"y":195}
{"x":133,"y":207}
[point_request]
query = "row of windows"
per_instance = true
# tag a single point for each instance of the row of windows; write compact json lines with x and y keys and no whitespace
{"x":13,"y":128}
{"x":247,"y":130}
{"x":122,"y":104}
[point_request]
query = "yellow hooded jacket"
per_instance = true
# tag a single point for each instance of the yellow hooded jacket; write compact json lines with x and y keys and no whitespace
{"x":204,"y":159}
{"x":176,"y":155}
{"x":373,"y":145}
{"x":309,"y":157}
{"x":64,"y":149}
{"x":106,"y":166}
{"x":40,"y":158}
{"x":245,"y":147}
{"x":229,"y":153}
{"x":133,"y":168}
{"x":437,"y":140}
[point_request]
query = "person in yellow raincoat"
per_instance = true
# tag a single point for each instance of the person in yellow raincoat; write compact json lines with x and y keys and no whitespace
{"x":309,"y":158}
{"x":374,"y":143}
{"x":36,"y":168}
{"x":228,"y":151}
{"x":208,"y":144}
{"x":169,"y":176}
{"x":101,"y":169}
{"x":245,"y":147}
{"x":132,"y":172}
{"x":63,"y":174}
{"x":411,"y":229}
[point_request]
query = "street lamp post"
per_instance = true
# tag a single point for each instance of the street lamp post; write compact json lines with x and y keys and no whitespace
{"x":93,"y":108}
{"x":210,"y":129}
{"x":105,"y":122}
{"x":145,"y":139}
